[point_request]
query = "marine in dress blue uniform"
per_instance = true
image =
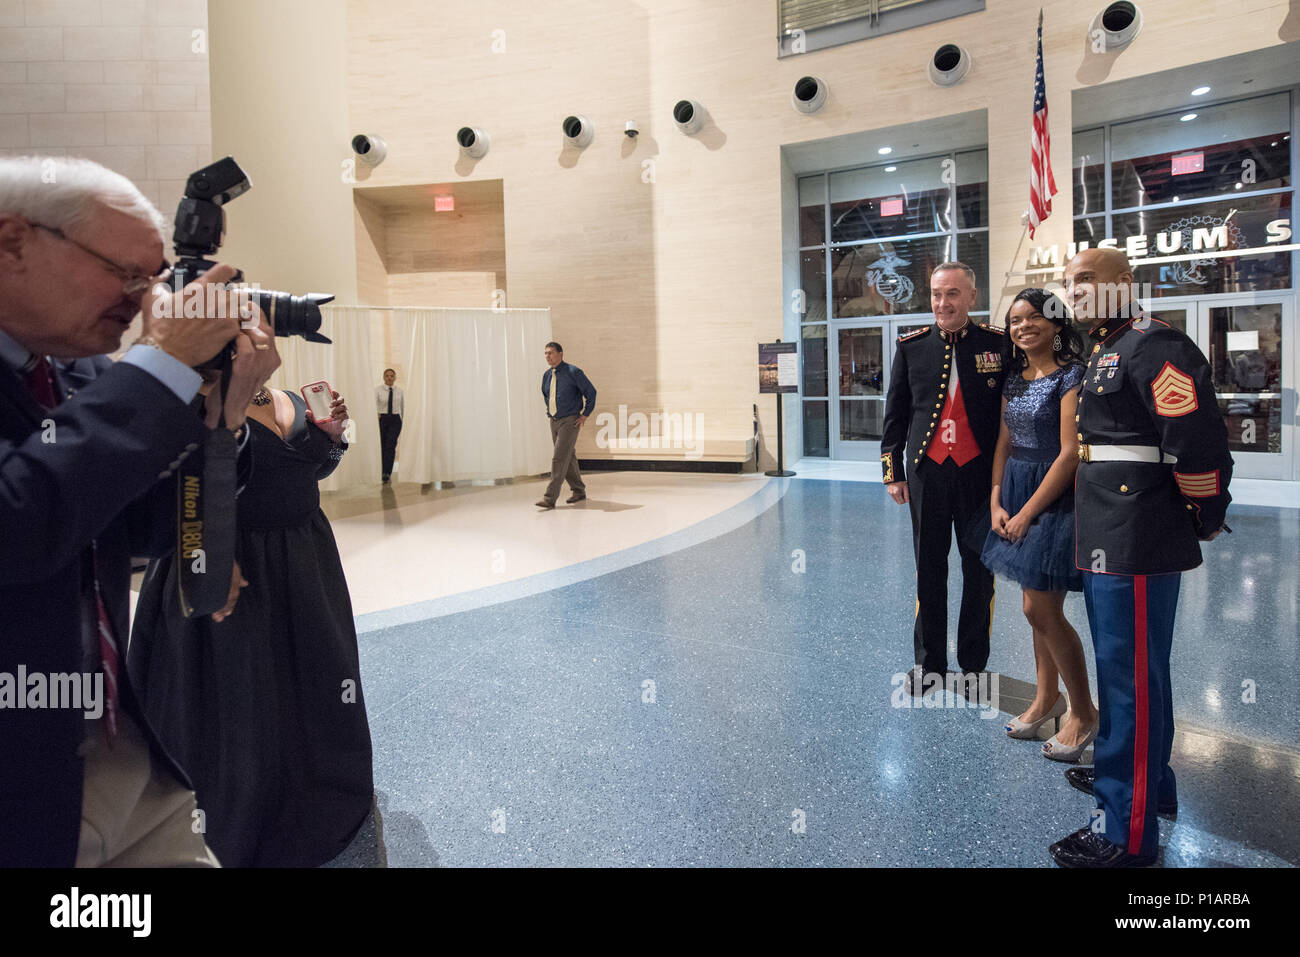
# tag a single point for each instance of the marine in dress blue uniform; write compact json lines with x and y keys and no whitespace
{"x":1152,"y":483}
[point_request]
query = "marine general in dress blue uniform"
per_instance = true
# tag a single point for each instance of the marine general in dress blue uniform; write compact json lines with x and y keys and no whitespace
{"x":1152,"y":484}
{"x":942,"y":416}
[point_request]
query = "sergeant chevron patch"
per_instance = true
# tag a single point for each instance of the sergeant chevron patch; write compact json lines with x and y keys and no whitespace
{"x":1174,"y":392}
{"x":1198,"y":484}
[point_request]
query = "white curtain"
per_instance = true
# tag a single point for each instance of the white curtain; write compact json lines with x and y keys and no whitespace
{"x":474,"y":407}
{"x":346,"y":366}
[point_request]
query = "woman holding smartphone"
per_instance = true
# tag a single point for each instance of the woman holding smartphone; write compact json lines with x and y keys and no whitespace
{"x":261,"y":704}
{"x":1032,"y":510}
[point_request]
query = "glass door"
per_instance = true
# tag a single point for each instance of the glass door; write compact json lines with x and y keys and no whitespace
{"x":863,"y":356}
{"x":1248,"y":341}
{"x":858,"y":408}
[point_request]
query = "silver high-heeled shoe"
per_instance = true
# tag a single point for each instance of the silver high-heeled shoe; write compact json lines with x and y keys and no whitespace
{"x":1024,"y":730}
{"x":1054,"y":750}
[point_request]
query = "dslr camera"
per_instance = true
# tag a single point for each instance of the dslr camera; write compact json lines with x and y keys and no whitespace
{"x":199,"y":228}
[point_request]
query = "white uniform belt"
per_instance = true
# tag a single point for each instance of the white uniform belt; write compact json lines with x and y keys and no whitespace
{"x":1125,"y":453}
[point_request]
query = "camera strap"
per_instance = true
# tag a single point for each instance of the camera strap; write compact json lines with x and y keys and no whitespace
{"x":205,"y":525}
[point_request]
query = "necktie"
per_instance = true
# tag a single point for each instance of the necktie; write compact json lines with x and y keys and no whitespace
{"x":40,"y":383}
{"x":390,"y":400}
{"x":555,"y":381}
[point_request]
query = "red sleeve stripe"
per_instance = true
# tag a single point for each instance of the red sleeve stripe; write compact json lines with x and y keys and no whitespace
{"x":1198,"y":484}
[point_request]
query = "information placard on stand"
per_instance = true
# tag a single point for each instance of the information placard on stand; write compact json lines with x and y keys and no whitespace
{"x":778,"y":372}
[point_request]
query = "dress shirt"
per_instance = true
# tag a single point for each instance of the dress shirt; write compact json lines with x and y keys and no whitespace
{"x":575,"y":396}
{"x":381,"y":400}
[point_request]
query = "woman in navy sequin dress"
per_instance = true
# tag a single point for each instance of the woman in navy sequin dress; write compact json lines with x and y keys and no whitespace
{"x":1032,"y":510}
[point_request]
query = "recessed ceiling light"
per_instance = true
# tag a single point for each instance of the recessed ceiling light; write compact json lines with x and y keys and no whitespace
{"x":1238,"y":186}
{"x":1200,"y":91}
{"x":890,"y":169}
{"x":1187,"y":116}
{"x":1274,"y":143}
{"x":885,"y":150}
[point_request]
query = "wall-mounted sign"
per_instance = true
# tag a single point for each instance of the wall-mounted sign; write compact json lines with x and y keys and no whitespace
{"x":1185,"y":242}
{"x":891,"y":207}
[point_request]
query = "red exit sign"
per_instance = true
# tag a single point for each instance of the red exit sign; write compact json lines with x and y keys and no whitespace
{"x":891,"y":207}
{"x":1189,"y":163}
{"x":444,"y":204}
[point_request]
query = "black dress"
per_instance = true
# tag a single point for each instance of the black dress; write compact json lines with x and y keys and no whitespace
{"x":264,"y":710}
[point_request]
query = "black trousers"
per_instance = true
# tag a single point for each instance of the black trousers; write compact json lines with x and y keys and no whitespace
{"x":944,"y":497}
{"x":390,"y":427}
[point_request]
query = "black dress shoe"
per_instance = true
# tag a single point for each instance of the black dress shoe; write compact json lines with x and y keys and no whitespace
{"x":576,"y":497}
{"x":919,"y":683}
{"x":1086,"y":848}
{"x":542,"y":503}
{"x":1083,"y":779}
{"x":968,"y":684}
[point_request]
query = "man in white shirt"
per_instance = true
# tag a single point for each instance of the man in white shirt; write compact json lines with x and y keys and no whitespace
{"x":388,"y":403}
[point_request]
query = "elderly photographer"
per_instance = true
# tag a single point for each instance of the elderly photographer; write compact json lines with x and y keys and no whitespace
{"x":87,"y":453}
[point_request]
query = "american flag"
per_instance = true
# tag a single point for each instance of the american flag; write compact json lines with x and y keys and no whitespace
{"x":1042,"y":184}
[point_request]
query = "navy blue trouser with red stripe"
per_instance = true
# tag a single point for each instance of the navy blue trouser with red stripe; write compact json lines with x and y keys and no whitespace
{"x":1132,"y":621}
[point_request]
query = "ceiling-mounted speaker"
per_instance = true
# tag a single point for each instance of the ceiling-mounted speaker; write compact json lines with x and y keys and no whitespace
{"x":689,"y":116}
{"x":1118,"y":24}
{"x":949,"y":65}
{"x":809,"y":94}
{"x":473,"y":142}
{"x":578,"y":130}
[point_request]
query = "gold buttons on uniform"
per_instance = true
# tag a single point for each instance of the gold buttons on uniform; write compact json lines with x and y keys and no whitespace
{"x":1096,"y":348}
{"x":1076,"y":418}
{"x":945,"y":365}
{"x":1080,"y":436}
{"x":1189,"y":506}
{"x":1103,"y":332}
{"x":1101,"y":388}
{"x":1123,"y":488}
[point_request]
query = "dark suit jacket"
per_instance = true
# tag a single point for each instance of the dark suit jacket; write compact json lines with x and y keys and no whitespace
{"x":104,"y":477}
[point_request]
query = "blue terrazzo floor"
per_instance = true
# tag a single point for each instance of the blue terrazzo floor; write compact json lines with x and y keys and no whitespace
{"x":719,"y":706}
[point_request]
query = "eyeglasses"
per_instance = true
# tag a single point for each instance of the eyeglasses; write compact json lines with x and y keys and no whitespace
{"x":133,"y":284}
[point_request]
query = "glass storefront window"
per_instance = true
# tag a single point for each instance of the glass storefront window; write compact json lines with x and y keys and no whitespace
{"x":1165,"y":158}
{"x":812,"y":279}
{"x":880,"y":250}
{"x":871,"y":203}
{"x":1089,"y":172}
{"x":816,"y":428}
{"x":885,"y":279}
{"x":812,"y":210}
{"x":1244,"y":225}
{"x":972,"y":174}
{"x":973,"y":250}
{"x":1091,"y":230}
{"x":814,"y":360}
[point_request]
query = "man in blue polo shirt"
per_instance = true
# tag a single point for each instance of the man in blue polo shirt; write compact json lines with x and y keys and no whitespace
{"x":570,"y":398}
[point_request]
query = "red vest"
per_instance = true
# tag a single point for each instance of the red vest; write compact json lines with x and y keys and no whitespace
{"x":953,"y":424}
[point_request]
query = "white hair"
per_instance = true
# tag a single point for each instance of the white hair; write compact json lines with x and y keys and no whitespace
{"x":63,"y":192}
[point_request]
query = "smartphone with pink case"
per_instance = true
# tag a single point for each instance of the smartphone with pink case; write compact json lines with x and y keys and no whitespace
{"x":318,"y":397}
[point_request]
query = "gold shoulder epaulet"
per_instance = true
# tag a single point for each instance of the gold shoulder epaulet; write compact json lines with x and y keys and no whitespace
{"x":998,"y":329}
{"x":914,"y":335}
